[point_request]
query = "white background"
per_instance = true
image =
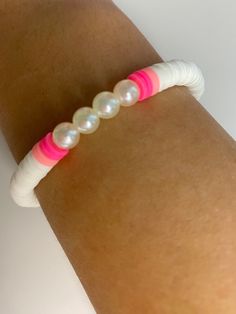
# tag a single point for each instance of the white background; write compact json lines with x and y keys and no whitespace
{"x":35,"y":275}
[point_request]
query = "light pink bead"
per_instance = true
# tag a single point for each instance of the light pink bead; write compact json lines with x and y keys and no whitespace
{"x":154,"y":78}
{"x":40,"y":157}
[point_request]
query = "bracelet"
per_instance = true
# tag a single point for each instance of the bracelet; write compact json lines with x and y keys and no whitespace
{"x":139,"y":86}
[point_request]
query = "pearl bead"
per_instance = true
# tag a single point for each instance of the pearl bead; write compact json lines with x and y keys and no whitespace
{"x":106,"y":104}
{"x":128,"y":92}
{"x":66,"y":135}
{"x":86,"y":119}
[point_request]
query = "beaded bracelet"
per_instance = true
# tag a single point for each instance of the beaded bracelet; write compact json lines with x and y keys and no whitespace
{"x":55,"y":145}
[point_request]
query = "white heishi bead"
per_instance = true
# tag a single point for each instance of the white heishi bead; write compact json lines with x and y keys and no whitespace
{"x":66,"y":135}
{"x":86,"y":119}
{"x":128,"y":92}
{"x":106,"y":104}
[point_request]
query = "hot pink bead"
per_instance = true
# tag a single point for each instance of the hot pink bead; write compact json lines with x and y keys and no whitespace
{"x":147,"y":81}
{"x":144,"y":83}
{"x":50,"y":149}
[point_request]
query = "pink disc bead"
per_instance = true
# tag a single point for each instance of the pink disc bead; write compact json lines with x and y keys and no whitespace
{"x":144,"y":83}
{"x":41,"y":158}
{"x":147,"y":81}
{"x":154,"y":78}
{"x":50,"y":149}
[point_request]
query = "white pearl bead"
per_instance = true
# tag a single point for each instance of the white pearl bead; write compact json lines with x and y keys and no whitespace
{"x":66,"y":135}
{"x":127,"y":91}
{"x":86,"y":119}
{"x":106,"y":104}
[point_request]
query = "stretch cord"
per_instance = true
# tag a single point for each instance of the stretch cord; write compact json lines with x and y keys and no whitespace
{"x":55,"y":145}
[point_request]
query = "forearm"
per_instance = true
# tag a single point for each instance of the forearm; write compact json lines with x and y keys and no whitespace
{"x":57,"y":57}
{"x":145,"y":207}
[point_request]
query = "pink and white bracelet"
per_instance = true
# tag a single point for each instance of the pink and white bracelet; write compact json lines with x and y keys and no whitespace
{"x":55,"y":145}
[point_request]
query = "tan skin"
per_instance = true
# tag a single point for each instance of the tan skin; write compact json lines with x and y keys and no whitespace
{"x":145,"y":208}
